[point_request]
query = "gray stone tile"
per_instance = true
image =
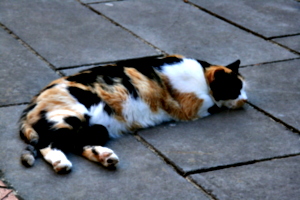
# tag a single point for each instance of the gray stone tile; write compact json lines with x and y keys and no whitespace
{"x":140,"y":175}
{"x":268,"y":18}
{"x":292,"y":42}
{"x":22,"y":74}
{"x":72,"y":71}
{"x":177,"y":27}
{"x":222,"y":139}
{"x":276,"y":180}
{"x":67,"y":33}
{"x":275,"y":88}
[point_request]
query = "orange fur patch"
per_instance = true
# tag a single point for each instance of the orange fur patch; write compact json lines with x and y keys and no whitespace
{"x":149,"y":90}
{"x":183,"y":106}
{"x":176,"y":56}
{"x":210,"y":72}
{"x":114,"y":98}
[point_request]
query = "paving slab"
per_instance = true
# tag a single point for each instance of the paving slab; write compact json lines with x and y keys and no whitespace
{"x":222,"y":139}
{"x":140,"y":175}
{"x":268,"y":18}
{"x":292,"y":42}
{"x":22,"y":74}
{"x":275,"y":88}
{"x":67,"y":33}
{"x":177,"y":27}
{"x":272,"y":180}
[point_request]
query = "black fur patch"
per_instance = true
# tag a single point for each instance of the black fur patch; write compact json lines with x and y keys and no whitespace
{"x":85,"y":97}
{"x":226,"y":86}
{"x":95,"y":135}
{"x":215,"y":109}
{"x":108,"y":73}
{"x":62,"y":139}
{"x":44,"y":129}
{"x":83,"y":78}
{"x":49,"y":87}
{"x":75,"y":122}
{"x":94,"y":151}
{"x":27,"y":110}
{"x":108,"y":109}
{"x":155,"y":63}
{"x":204,"y":64}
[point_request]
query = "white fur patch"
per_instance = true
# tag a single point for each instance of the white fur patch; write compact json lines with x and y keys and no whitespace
{"x":99,"y":116}
{"x":188,"y":77}
{"x":57,"y":158}
{"x":137,"y":111}
{"x":58,"y":115}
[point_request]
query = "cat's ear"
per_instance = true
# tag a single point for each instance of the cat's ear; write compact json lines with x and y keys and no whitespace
{"x":234,"y":66}
{"x":204,"y":64}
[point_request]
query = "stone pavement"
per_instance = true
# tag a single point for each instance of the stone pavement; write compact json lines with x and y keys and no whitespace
{"x":249,"y":154}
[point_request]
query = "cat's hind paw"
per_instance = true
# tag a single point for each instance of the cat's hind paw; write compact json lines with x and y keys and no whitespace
{"x":103,"y":155}
{"x":57,"y":159}
{"x":62,"y":167}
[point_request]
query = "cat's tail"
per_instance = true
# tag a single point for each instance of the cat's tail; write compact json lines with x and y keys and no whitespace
{"x":28,"y":156}
{"x":30,"y":136}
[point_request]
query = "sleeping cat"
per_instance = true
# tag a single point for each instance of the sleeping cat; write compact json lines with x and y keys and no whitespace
{"x":79,"y":113}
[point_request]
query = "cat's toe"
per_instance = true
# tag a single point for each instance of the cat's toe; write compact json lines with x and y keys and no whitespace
{"x":111,"y":160}
{"x":106,"y":156}
{"x":62,"y":167}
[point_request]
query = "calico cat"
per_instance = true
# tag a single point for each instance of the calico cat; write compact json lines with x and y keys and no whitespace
{"x":81,"y":112}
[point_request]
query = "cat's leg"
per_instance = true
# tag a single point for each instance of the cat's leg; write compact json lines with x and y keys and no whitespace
{"x":57,"y":159}
{"x":52,"y":146}
{"x":90,"y":145}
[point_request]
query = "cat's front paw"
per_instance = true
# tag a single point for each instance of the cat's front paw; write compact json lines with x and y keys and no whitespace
{"x":103,"y":155}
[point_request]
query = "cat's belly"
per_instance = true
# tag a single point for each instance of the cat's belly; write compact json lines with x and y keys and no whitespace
{"x":137,"y":111}
{"x":135,"y":114}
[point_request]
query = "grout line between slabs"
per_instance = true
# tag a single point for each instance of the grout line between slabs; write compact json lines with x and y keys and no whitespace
{"x":243,"y":28}
{"x":283,"y":36}
{"x":10,"y":32}
{"x":14,"y":104}
{"x":126,"y":29}
{"x":177,"y":169}
{"x":193,"y":182}
{"x":270,"y":62}
{"x":239,"y":164}
{"x":291,"y":128}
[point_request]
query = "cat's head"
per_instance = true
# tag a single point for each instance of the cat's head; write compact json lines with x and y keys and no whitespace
{"x":226,"y":84}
